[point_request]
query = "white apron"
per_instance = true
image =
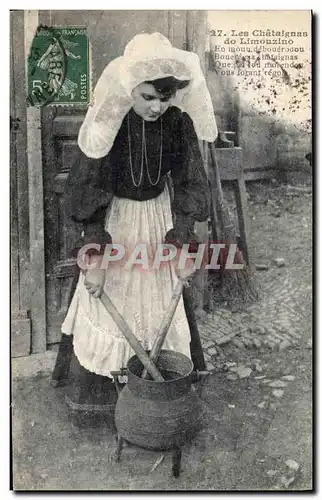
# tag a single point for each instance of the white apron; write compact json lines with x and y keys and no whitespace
{"x":141,"y":296}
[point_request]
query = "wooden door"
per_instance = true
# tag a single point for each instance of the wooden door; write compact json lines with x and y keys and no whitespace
{"x":109,"y":31}
{"x":19,"y":212}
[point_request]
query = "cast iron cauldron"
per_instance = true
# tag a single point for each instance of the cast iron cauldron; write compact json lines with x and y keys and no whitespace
{"x":160,"y":415}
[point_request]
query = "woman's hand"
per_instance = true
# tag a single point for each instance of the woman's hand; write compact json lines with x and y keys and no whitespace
{"x":188,"y":270}
{"x":179,"y":235}
{"x":95,"y":278}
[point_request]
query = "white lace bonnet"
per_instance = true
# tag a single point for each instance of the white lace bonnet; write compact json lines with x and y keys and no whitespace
{"x":146,"y":57}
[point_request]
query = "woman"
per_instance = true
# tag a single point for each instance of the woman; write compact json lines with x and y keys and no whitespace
{"x":150,"y":108}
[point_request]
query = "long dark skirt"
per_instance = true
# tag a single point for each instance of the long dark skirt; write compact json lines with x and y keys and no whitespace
{"x":87,"y":391}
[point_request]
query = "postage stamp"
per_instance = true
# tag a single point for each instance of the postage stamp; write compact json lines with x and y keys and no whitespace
{"x":58,"y":67}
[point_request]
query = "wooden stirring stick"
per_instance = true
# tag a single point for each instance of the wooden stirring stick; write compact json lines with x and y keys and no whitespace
{"x":131,"y":338}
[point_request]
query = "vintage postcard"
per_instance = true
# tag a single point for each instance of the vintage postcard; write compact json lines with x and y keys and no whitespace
{"x":161,"y":256}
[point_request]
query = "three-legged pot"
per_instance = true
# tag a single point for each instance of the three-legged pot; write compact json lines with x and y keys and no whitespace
{"x":160,"y":415}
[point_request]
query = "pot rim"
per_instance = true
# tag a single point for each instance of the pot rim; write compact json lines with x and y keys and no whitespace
{"x":163,"y":351}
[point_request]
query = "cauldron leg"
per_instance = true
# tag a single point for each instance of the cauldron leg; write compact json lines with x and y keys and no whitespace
{"x":176,"y":461}
{"x":119,"y":447}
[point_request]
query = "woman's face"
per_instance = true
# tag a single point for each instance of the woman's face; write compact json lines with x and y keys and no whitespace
{"x":148,"y":102}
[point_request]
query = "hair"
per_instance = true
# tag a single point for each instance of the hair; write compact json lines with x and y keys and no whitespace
{"x":169,"y":85}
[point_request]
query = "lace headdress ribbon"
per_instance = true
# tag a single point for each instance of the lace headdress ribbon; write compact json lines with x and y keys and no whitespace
{"x":146,"y":57}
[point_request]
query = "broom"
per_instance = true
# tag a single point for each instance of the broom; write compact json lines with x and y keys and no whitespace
{"x":236,"y":285}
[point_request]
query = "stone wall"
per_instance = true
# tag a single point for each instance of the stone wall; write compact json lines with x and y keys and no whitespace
{"x":271,"y":147}
{"x":262,"y":95}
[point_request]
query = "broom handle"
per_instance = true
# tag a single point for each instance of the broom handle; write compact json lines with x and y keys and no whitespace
{"x":165,"y":324}
{"x":216,"y":171}
{"x":219,"y":201}
{"x":131,"y":338}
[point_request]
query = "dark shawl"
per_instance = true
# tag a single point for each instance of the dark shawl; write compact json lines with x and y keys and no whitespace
{"x":92,"y":183}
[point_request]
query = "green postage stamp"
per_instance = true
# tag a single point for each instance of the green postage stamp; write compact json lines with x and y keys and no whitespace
{"x":58,"y":67}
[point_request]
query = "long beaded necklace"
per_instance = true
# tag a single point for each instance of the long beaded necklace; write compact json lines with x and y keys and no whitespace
{"x":160,"y":156}
{"x":144,"y":155}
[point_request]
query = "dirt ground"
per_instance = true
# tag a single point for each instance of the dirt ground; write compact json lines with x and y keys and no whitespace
{"x":243,"y":446}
